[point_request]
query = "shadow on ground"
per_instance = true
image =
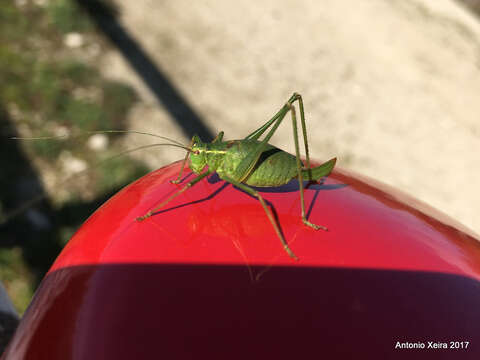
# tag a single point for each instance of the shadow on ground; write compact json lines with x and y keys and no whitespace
{"x":104,"y":16}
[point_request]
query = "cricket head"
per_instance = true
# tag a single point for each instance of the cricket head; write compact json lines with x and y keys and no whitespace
{"x":198,"y":158}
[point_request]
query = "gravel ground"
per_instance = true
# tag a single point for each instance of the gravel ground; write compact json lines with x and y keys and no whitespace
{"x":391,"y":87}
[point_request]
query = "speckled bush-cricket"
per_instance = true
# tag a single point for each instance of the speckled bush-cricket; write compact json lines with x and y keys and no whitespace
{"x":254,"y":162}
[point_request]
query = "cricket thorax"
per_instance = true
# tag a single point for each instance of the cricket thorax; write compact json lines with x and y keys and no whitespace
{"x":203,"y":154}
{"x":215,"y":154}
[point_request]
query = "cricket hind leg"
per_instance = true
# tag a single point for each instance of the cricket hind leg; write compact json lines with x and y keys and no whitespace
{"x":280,"y":114}
{"x":298,"y":97}
{"x":259,"y":132}
{"x":245,"y":167}
{"x":274,"y":223}
{"x":295,"y":97}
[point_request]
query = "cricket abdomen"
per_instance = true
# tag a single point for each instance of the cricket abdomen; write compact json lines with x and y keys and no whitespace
{"x":274,"y":167}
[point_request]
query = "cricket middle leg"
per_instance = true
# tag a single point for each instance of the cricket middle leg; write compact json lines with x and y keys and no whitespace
{"x":255,"y":193}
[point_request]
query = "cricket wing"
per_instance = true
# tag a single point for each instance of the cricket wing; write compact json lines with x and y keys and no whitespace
{"x":319,"y":171}
{"x":247,"y":164}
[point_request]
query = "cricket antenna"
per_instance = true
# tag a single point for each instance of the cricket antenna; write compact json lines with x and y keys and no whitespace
{"x":22,"y":208}
{"x":101,"y":132}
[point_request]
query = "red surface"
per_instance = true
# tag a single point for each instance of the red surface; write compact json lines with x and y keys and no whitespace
{"x":207,"y":277}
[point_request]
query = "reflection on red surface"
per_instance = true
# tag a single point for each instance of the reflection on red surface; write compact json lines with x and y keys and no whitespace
{"x":207,"y":277}
{"x":215,"y":223}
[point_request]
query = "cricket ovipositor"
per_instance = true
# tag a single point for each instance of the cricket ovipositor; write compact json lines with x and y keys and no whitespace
{"x":253,"y":162}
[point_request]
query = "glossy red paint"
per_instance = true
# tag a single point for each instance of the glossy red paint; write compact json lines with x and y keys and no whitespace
{"x":208,"y":277}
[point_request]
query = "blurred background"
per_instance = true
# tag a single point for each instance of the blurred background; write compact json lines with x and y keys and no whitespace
{"x":391,"y":87}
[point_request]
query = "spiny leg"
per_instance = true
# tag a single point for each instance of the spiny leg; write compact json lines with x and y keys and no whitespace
{"x":246,"y":166}
{"x":281,"y":113}
{"x":187,"y":186}
{"x":255,"y":193}
{"x":304,"y":127}
{"x":257,"y":133}
{"x":299,"y":168}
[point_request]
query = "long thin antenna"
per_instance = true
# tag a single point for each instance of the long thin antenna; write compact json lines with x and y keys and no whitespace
{"x":22,"y":208}
{"x":97,"y":132}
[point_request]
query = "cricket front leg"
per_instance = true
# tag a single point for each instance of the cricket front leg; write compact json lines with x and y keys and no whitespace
{"x":178,"y":180}
{"x":255,"y":193}
{"x":187,"y":186}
